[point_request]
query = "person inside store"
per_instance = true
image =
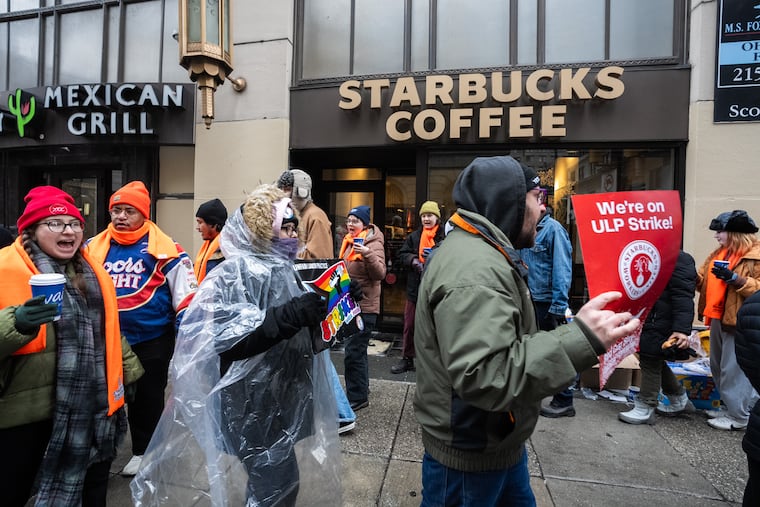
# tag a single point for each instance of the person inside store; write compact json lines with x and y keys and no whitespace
{"x":748,"y":357}
{"x":664,"y":338}
{"x":317,"y":243}
{"x":245,"y":382}
{"x":209,"y":220}
{"x":723,"y":286}
{"x":413,"y":255}
{"x":62,"y":378}
{"x":363,"y":250}
{"x":550,"y":270}
{"x":483,"y":366}
{"x":154,"y":282}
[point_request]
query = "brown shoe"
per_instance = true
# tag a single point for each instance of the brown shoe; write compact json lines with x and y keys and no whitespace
{"x":404,"y":365}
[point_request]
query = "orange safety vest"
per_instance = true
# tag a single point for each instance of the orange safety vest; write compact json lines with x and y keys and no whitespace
{"x":16,"y":267}
{"x":201,"y":260}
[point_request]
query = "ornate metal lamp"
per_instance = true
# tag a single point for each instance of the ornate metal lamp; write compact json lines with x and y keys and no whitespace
{"x":205,"y":48}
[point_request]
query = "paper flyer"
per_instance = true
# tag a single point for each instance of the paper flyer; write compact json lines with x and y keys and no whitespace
{"x":329,"y":277}
{"x":630,"y":243}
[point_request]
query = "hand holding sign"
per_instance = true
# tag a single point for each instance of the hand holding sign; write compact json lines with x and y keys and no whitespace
{"x":607,"y":325}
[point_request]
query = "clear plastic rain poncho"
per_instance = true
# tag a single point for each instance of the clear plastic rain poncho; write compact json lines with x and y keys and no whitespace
{"x":267,"y":428}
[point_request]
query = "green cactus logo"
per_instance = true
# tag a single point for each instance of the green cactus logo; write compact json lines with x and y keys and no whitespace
{"x":23,"y":110}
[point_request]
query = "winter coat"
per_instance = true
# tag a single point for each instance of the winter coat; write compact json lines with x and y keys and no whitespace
{"x":674,"y":309}
{"x":369,"y":271}
{"x":748,"y":356}
{"x":315,"y":230}
{"x":27,"y":382}
{"x":749,"y":268}
{"x":482,"y":365}
{"x":409,"y":251}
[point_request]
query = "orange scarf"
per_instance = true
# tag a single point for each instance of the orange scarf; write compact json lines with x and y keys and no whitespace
{"x":715,"y":295}
{"x":18,"y":267}
{"x":427,"y":240}
{"x":160,"y":245}
{"x":348,"y":243}
{"x":201,"y":260}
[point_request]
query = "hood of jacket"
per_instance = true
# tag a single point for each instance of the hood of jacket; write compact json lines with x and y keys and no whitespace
{"x":494,"y":187}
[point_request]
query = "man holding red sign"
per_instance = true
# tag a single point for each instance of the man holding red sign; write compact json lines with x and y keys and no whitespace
{"x":483,"y":366}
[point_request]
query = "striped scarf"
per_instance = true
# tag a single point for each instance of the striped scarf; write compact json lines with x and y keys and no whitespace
{"x":83,"y":434}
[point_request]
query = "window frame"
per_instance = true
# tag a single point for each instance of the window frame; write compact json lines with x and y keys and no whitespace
{"x":679,"y":57}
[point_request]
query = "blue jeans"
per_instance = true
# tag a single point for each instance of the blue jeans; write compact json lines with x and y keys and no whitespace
{"x":345,"y":414}
{"x":446,"y":487}
{"x":356,"y":369}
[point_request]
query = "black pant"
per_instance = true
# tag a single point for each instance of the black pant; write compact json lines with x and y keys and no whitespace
{"x":145,"y":411}
{"x":23,"y":449}
{"x":752,"y":491}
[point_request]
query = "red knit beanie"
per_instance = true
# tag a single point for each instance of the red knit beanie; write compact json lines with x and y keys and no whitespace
{"x":133,"y":194}
{"x":46,"y":201}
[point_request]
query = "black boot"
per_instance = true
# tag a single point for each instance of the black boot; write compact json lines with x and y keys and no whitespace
{"x":405,"y":364}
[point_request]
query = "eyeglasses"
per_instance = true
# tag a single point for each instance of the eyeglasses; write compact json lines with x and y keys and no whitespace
{"x":353,"y":221}
{"x":130,"y":212}
{"x":290,"y":229}
{"x":58,"y":226}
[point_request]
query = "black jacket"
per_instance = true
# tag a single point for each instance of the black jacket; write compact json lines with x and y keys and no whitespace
{"x":408,"y":252}
{"x":748,"y":357}
{"x":674,"y":310}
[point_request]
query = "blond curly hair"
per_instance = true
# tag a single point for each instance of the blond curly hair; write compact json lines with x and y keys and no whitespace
{"x":258,"y":211}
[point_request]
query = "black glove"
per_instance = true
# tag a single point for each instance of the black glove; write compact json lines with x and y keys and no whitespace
{"x":280,"y":323}
{"x":673,"y":353}
{"x":355,"y":289}
{"x":33,"y":313}
{"x":724,"y":274}
{"x":304,"y":310}
{"x":130,"y":392}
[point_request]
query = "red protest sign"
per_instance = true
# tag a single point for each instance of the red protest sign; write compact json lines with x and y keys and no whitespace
{"x":630,"y":242}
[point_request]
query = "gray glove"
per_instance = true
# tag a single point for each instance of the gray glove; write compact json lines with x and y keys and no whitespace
{"x":33,"y":313}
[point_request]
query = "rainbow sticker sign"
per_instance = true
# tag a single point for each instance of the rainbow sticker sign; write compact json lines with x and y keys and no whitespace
{"x":332,"y":280}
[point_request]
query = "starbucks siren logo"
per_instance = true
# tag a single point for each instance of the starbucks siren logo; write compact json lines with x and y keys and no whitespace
{"x":638,"y":266}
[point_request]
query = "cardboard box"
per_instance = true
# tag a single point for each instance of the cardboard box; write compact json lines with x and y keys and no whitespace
{"x":698,"y":382}
{"x":626,"y":374}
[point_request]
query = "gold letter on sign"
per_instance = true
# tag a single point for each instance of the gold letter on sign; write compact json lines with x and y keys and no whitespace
{"x":609,"y":83}
{"x":350,"y":96}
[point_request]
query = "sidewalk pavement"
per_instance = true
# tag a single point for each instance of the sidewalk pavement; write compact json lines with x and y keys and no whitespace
{"x":591,"y":459}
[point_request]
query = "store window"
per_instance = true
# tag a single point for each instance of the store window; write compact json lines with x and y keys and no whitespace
{"x":358,"y":37}
{"x":565,"y":173}
{"x":470,"y":37}
{"x":49,"y":41}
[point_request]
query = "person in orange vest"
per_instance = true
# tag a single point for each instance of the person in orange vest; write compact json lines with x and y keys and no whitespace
{"x":62,"y":376}
{"x":155,"y":283}
{"x":209,"y":219}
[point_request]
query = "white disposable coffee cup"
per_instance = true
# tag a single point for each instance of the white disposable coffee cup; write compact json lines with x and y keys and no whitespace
{"x":50,"y":285}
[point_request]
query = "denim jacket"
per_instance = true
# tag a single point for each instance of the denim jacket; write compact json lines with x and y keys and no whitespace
{"x":550,"y":265}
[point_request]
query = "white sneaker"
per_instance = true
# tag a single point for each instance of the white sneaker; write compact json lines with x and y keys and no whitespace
{"x":712,"y":414}
{"x":641,"y":414}
{"x":727,"y":423}
{"x":678,"y":405}
{"x":132,"y":466}
{"x":345,"y":426}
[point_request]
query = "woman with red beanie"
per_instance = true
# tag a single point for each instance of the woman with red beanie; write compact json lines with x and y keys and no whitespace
{"x":61,"y":379}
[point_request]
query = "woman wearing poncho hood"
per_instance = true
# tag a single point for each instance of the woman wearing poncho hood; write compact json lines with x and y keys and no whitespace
{"x":248,"y":394}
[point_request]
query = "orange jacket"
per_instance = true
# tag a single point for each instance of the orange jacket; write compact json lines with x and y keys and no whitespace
{"x":16,"y":267}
